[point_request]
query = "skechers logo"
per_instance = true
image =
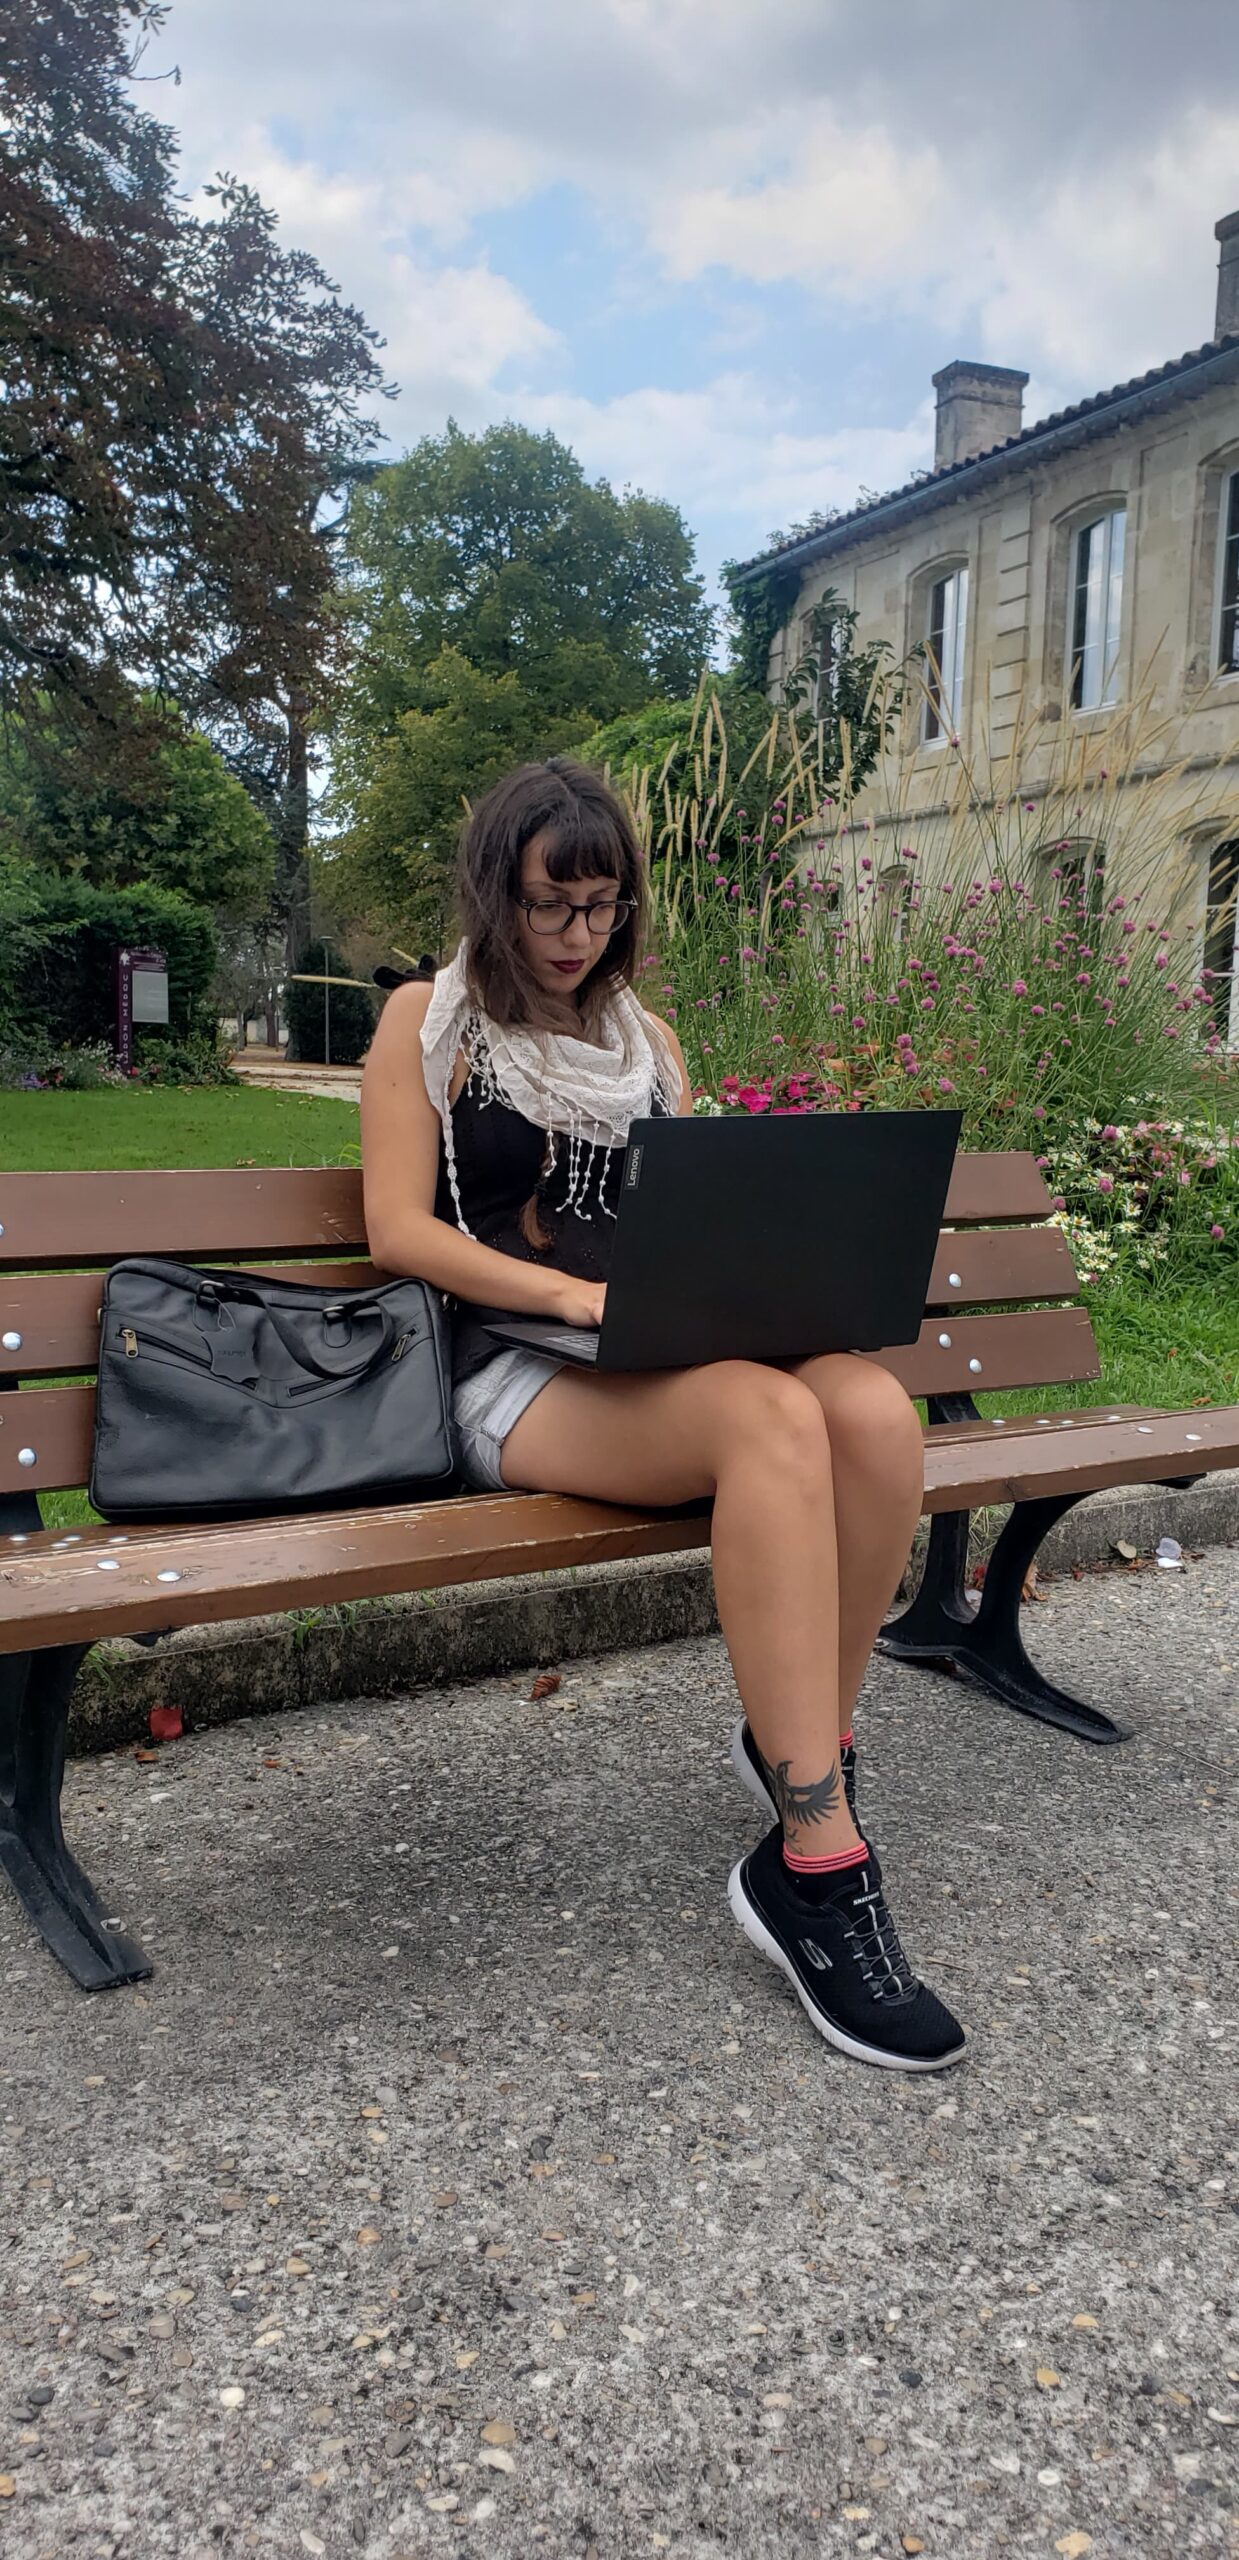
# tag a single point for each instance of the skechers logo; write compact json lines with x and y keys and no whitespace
{"x":817,"y":1956}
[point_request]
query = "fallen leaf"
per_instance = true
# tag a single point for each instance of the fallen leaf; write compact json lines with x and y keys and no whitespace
{"x":1028,"y":1588}
{"x":166,"y":1724}
{"x":1048,"y":2379}
{"x":146,"y":1755}
{"x":1123,"y":1547}
{"x":546,"y":1684}
{"x":1074,"y":2545}
{"x":498,"y":2431}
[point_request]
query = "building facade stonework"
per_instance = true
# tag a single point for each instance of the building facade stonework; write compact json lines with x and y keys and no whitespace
{"x":1074,"y":581}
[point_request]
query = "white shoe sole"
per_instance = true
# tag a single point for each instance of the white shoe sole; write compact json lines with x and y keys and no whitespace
{"x":747,"y":1774}
{"x":759,"y":1936}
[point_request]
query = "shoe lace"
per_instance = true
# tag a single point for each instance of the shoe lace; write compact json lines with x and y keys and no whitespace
{"x":875,"y":1947}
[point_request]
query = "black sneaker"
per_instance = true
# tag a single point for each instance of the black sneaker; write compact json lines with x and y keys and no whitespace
{"x":844,"y":1961}
{"x":746,"y":1760}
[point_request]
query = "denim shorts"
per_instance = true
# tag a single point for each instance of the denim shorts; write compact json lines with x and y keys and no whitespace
{"x":490,"y":1404}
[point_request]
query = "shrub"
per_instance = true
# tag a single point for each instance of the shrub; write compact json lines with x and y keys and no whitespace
{"x":58,"y":938}
{"x":327,"y":1024}
{"x":202,"y":1059}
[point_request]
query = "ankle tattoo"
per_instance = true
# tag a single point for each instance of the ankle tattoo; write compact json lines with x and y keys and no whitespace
{"x":798,"y":1807}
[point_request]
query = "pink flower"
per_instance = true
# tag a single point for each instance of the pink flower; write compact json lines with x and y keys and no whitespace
{"x":1105,"y":1182}
{"x":945,"y":1085}
{"x":1110,"y":1131}
{"x":1217,"y":1233}
{"x":1019,"y":987}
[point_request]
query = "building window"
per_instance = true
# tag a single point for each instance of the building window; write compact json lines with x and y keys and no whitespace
{"x":945,"y":640}
{"x":826,"y":684}
{"x":1228,"y":632}
{"x":1077,"y":872}
{"x":1221,"y":954}
{"x":895,"y":892}
{"x":1096,"y":607}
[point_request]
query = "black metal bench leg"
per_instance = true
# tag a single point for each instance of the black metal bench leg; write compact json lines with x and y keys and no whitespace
{"x":947,"y":1628}
{"x":35,"y":1690}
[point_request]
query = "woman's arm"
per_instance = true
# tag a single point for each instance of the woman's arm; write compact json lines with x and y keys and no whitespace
{"x":401,"y":1136}
{"x":685,"y":1105}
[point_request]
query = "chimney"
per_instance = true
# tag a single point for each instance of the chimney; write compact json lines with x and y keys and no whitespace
{"x":1226,"y":233}
{"x":980,"y":405}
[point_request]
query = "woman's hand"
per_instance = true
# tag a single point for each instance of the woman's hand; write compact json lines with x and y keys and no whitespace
{"x":578,"y":1301}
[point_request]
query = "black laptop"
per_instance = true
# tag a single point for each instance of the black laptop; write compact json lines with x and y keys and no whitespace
{"x":764,"y":1239}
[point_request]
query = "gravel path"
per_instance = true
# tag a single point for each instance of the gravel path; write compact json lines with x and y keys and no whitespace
{"x":463,"y":2183}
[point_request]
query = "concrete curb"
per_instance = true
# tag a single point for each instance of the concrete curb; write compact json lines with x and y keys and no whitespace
{"x":430,"y":1639}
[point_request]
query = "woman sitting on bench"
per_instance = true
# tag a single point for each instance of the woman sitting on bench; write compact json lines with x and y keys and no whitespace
{"x":496,"y":1105}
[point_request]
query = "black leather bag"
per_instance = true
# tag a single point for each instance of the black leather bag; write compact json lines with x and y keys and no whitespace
{"x":221,"y":1395}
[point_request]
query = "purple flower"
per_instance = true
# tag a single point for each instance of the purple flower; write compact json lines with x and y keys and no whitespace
{"x":1019,"y":987}
{"x":1217,"y":1233}
{"x":1105,"y":1182}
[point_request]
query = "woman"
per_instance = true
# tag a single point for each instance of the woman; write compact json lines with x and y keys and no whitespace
{"x":495,"y":1108}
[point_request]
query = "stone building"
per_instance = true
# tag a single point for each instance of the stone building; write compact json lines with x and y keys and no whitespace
{"x":1056,"y":576}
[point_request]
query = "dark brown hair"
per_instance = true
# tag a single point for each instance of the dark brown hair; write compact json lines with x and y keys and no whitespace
{"x":589,"y":834}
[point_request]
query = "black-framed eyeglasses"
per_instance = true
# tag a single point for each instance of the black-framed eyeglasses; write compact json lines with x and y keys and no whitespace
{"x":554,"y":915}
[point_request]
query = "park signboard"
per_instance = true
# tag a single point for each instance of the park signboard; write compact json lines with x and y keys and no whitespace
{"x":141,"y":981}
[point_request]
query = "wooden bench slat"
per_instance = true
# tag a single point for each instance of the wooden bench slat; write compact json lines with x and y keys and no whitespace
{"x":996,"y":1265}
{"x":56,"y":1313}
{"x":1042,"y":1346}
{"x":52,"y":1590}
{"x":53,"y":1221}
{"x":1036,"y":1347}
{"x":61,"y":1220}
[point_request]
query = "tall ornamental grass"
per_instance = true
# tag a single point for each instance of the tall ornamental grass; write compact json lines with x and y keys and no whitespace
{"x":1024,"y":955}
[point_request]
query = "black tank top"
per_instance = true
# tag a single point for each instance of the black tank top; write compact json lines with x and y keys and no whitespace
{"x":499,"y":1169}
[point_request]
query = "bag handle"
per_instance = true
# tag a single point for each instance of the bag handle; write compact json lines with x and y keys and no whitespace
{"x":307,"y":1357}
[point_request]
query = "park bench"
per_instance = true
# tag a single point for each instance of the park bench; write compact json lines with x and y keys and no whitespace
{"x":999,"y":1316}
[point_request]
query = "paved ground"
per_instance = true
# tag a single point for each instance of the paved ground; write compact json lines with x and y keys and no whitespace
{"x":269,"y":1067}
{"x":463,"y":2183}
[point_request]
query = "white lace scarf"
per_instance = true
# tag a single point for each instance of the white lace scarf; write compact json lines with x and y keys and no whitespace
{"x":587,"y":1096}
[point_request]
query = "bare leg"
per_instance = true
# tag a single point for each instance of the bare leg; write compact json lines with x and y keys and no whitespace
{"x":878,"y":1453}
{"x":755,"y":1438}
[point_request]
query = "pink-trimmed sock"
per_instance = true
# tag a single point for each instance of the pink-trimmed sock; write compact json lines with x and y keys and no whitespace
{"x":813,"y":1877}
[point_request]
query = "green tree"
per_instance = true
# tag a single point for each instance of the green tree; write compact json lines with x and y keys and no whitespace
{"x":180,"y":397}
{"x":172,"y":816}
{"x":503,"y":606}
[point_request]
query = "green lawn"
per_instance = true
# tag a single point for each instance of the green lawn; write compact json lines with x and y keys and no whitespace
{"x":201,"y":1125}
{"x":1167,"y":1341}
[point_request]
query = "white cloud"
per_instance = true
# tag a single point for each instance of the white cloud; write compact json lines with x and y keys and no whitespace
{"x":453,"y":331}
{"x":847,"y":210}
{"x":731,"y":451}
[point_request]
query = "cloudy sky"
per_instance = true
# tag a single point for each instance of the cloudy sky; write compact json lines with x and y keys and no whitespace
{"x":721,"y":245}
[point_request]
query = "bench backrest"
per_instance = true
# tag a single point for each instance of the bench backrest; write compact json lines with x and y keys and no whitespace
{"x":996,"y":1314}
